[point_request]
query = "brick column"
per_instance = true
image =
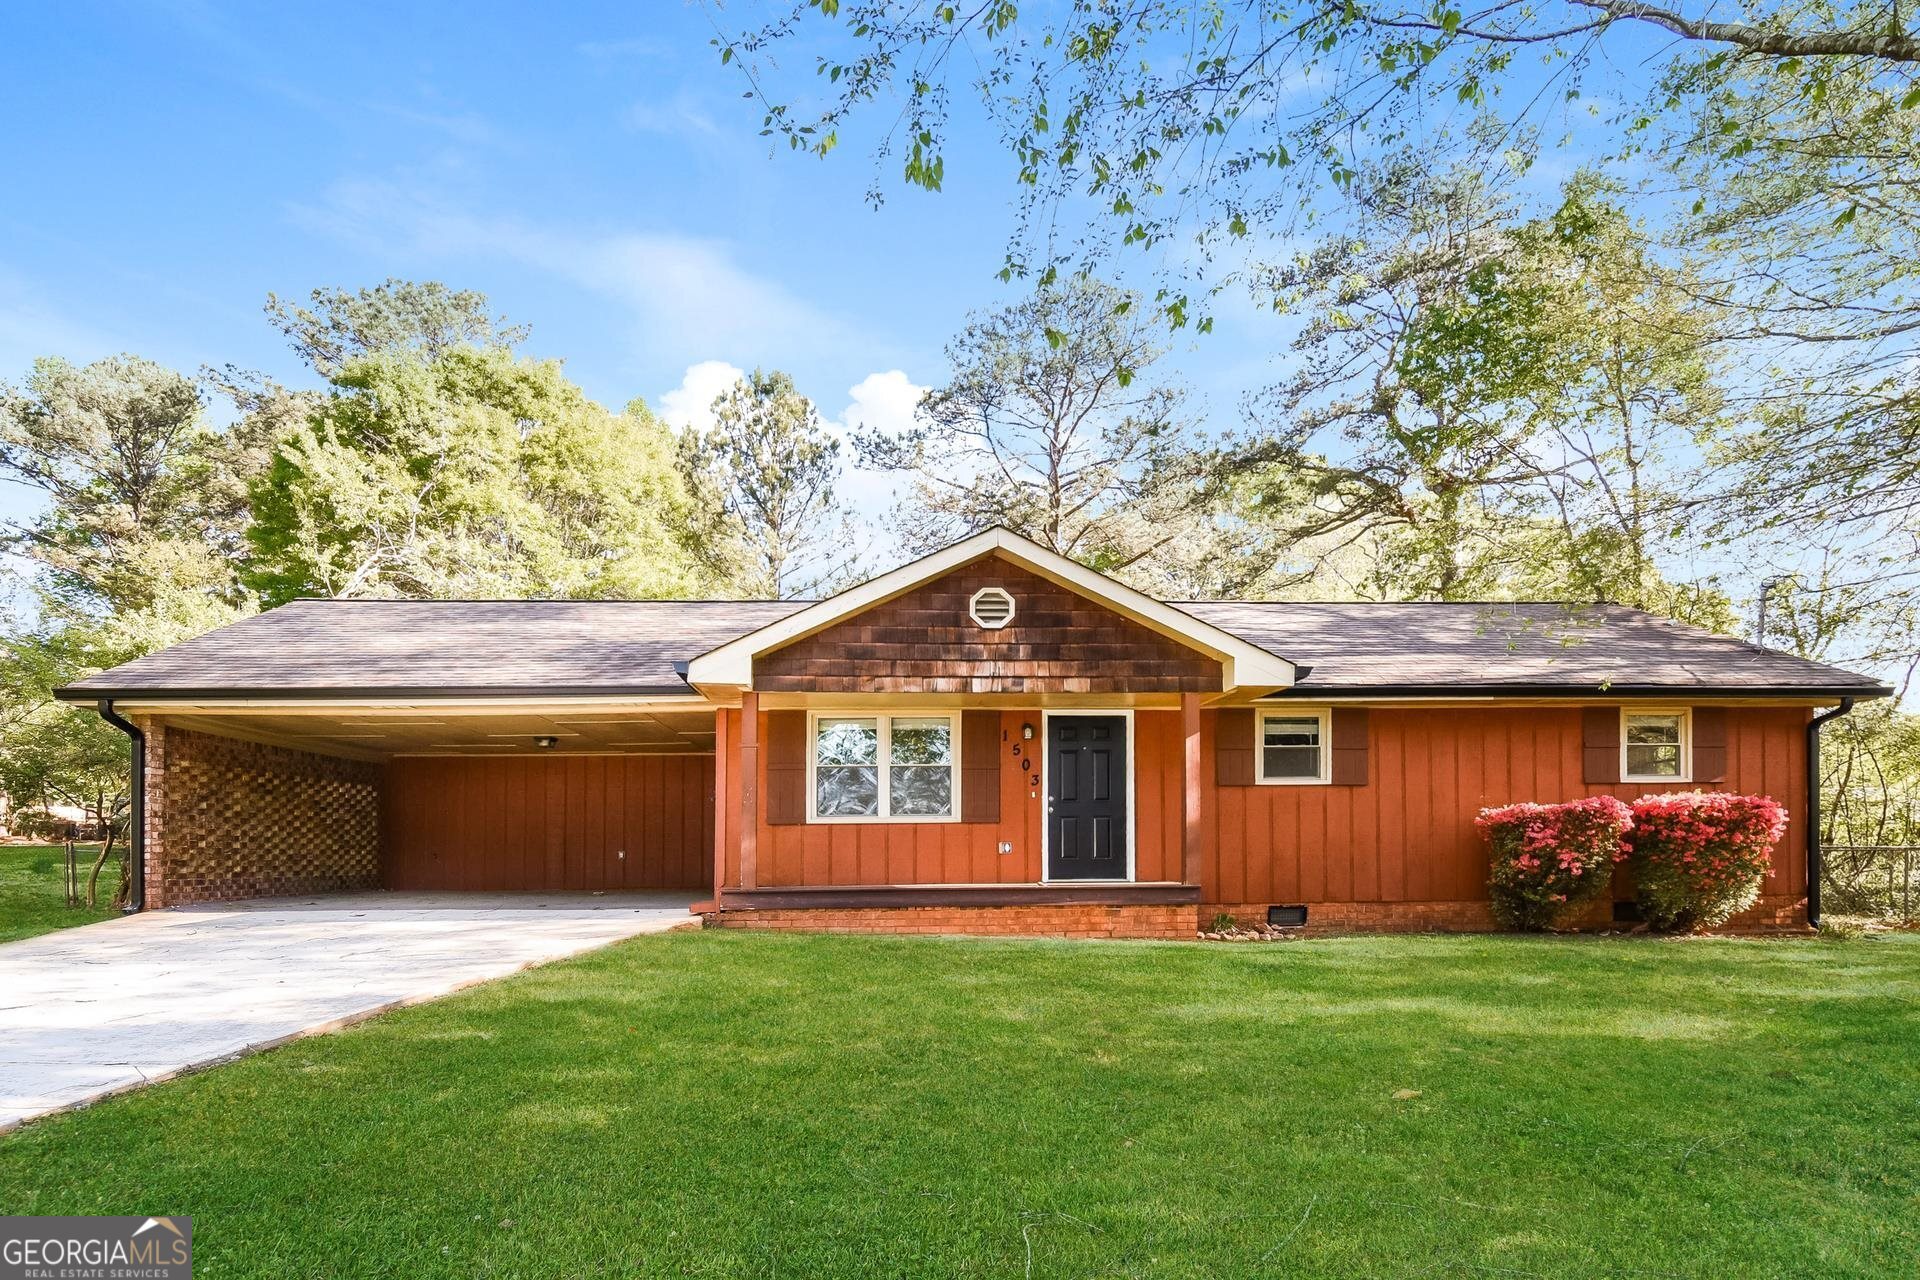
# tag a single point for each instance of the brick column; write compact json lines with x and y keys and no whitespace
{"x":153,"y":828}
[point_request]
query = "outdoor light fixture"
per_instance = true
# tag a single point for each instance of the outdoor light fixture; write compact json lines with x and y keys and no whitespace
{"x":544,"y":742}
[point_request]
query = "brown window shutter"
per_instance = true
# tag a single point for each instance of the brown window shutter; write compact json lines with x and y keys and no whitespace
{"x":979,"y":766}
{"x":1349,"y":747}
{"x":785,"y":801}
{"x":1709,"y":744}
{"x":1600,"y":745}
{"x":1233,"y":734}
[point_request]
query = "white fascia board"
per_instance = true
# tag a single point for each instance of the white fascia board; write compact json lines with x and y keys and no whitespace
{"x":1244,"y":665}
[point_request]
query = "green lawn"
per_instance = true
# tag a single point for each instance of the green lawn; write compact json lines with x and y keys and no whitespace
{"x":756,"y":1105}
{"x":32,"y":893}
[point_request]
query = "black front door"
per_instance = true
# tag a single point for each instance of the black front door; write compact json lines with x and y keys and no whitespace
{"x":1086,"y":797}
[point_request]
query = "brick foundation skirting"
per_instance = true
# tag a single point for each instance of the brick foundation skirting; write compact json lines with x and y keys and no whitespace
{"x":1184,"y":922}
{"x":1366,"y":917}
{"x":1064,"y":921}
{"x":230,"y":819}
{"x":1773,"y":912}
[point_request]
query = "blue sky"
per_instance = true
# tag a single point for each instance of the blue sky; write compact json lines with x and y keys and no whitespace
{"x":591,"y":167}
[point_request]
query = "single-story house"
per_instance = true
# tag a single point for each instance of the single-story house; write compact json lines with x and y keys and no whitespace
{"x":990,"y":739}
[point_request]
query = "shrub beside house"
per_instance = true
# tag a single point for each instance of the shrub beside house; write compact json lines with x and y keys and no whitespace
{"x":1698,"y":857}
{"x":1549,"y":860}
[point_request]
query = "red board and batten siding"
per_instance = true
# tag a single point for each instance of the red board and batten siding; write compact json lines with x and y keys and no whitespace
{"x":1405,"y":836}
{"x":869,"y":853}
{"x":548,"y":822}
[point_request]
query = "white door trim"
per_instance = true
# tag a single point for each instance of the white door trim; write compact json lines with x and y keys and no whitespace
{"x":1046,"y":791}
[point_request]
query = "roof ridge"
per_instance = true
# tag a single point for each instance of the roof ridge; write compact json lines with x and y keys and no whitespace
{"x":1566,"y":604}
{"x":533,"y":600}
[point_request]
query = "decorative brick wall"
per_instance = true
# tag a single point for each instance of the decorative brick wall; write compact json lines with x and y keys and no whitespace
{"x":232,"y":819}
{"x":1076,"y":921}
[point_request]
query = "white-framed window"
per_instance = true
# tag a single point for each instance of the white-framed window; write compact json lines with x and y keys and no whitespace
{"x":1294,"y":746}
{"x":1656,"y":744}
{"x":883,"y":768}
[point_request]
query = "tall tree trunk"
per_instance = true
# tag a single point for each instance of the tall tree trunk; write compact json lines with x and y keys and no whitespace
{"x":93,"y":877}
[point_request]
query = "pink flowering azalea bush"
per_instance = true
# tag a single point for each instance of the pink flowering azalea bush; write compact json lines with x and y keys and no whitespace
{"x":1699,"y":856}
{"x":1549,"y":859}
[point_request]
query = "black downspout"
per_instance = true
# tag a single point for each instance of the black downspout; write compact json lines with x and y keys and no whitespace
{"x":1813,"y":807}
{"x":137,"y":814}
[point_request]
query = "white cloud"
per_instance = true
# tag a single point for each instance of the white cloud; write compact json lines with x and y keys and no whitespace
{"x":878,"y":402}
{"x":882,"y":402}
{"x":691,"y":403}
{"x":688,"y":295}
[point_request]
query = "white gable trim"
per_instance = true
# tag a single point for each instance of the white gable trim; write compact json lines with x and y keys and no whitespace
{"x":1244,"y":665}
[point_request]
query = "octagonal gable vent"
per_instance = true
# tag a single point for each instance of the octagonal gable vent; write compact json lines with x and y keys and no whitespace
{"x":991,"y":607}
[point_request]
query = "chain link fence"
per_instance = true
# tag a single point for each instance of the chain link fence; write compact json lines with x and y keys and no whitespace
{"x":1877,"y":880}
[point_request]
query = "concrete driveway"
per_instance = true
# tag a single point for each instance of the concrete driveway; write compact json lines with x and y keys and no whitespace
{"x":91,"y":1011}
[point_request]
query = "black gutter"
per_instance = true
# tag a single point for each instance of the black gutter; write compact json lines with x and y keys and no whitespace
{"x":137,"y":808}
{"x":1622,"y":691}
{"x":432,"y":693}
{"x":81,"y":693}
{"x":1813,"y":807}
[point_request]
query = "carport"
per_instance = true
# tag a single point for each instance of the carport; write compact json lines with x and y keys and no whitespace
{"x":490,"y":746}
{"x":453,"y":794}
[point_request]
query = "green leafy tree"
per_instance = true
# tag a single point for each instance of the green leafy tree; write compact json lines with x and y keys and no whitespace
{"x":1141,"y":125}
{"x":1406,"y":415}
{"x":772,"y":466}
{"x":470,"y":472}
{"x":1052,"y":423}
{"x":1808,"y":222}
{"x":425,"y":319}
{"x":131,"y":551}
{"x":1489,"y":405}
{"x":1201,"y":134}
{"x":135,"y":484}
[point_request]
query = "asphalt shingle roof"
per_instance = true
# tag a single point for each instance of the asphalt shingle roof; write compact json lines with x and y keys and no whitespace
{"x":1487,"y":646}
{"x":391,"y":647}
{"x":451,"y":646}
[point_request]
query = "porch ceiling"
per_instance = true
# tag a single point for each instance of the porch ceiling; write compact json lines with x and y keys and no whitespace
{"x":377,"y":734}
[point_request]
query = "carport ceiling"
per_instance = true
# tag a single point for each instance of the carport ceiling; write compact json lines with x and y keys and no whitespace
{"x":375,"y":734}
